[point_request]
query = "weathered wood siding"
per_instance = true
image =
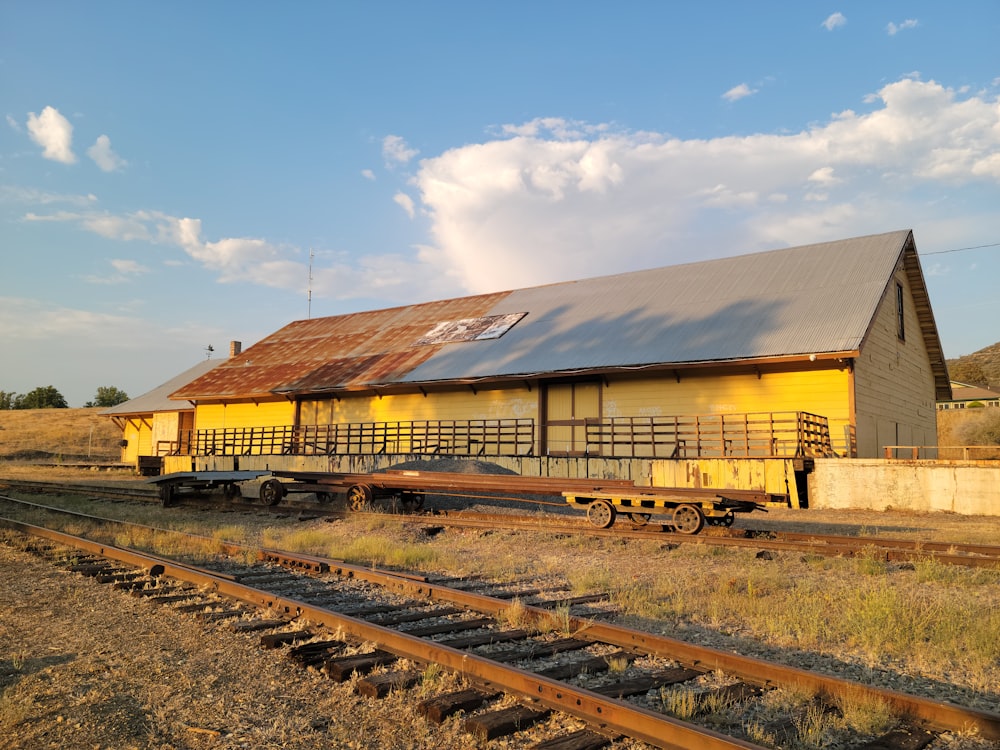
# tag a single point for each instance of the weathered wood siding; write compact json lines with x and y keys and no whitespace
{"x":894,"y":383}
{"x":165,"y":429}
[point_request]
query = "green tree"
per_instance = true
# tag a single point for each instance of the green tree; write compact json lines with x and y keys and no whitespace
{"x":43,"y":397}
{"x":7,"y":399}
{"x":108,"y":395}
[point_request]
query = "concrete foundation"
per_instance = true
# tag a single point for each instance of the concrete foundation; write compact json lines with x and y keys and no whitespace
{"x":965,"y":487}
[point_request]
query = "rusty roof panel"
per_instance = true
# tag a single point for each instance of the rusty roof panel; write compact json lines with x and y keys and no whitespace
{"x":337,"y":352}
{"x":357,"y":371}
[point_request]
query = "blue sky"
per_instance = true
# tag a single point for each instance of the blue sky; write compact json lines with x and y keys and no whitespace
{"x":168,"y":170}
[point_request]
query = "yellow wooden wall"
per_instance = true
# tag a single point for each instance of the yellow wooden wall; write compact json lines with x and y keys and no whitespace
{"x":464,"y":404}
{"x":137,"y":431}
{"x":895,"y":397}
{"x":821,"y":388}
{"x":275,"y":413}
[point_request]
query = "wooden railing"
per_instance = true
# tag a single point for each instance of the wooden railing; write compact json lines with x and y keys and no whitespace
{"x":493,"y":437}
{"x":761,"y":435}
{"x":942,"y":452}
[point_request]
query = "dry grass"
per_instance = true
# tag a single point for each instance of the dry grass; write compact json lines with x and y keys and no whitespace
{"x":925,"y":621}
{"x":57,"y":434}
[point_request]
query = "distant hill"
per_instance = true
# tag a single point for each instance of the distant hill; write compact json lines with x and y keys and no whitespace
{"x":58,"y":435}
{"x":978,"y":368}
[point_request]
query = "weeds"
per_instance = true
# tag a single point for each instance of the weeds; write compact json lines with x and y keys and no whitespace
{"x":516,"y":616}
{"x":679,"y":702}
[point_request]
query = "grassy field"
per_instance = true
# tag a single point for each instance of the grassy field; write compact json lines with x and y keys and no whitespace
{"x":61,"y":435}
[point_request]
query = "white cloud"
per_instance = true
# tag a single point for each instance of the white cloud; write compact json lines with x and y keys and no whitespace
{"x":34,"y":196}
{"x":553,"y":199}
{"x":14,"y":124}
{"x":405,"y":202}
{"x":396,"y":151}
{"x":834,"y":21}
{"x":612,"y":200}
{"x":368,"y":174}
{"x":892,"y":29}
{"x":34,"y":320}
{"x":823,"y":176}
{"x":124,"y":271}
{"x":104,"y":157}
{"x":739,"y":92}
{"x":53,"y":133}
{"x":129,"y":267}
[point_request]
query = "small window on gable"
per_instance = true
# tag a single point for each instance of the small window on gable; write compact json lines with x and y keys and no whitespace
{"x":900,"y":328}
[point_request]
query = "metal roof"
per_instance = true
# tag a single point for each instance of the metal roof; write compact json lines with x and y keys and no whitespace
{"x":797,"y":301}
{"x":158,"y":399}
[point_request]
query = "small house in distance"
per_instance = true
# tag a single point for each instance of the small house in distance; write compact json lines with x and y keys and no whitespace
{"x":820,"y":350}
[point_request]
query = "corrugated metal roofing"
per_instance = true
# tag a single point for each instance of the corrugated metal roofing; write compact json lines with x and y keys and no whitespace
{"x":158,"y":399}
{"x":343,"y":351}
{"x":797,"y":301}
{"x":811,"y":299}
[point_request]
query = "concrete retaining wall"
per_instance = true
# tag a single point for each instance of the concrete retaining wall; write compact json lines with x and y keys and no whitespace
{"x":966,"y":487}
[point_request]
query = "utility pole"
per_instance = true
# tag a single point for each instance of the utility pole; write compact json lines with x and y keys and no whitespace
{"x":309,"y":297}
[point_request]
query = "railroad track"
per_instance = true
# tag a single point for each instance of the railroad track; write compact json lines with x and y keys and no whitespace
{"x":525,"y":651}
{"x":828,"y":545}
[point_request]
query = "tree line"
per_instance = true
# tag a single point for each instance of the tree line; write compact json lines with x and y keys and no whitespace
{"x":48,"y":397}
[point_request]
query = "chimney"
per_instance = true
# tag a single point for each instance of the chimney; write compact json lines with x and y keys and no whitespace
{"x":235,"y":347}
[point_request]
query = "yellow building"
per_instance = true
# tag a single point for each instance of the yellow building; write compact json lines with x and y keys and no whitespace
{"x":816,"y":350}
{"x":153,"y":425}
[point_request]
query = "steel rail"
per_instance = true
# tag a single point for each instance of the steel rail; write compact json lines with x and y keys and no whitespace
{"x":757,"y":671}
{"x":597,"y":710}
{"x":947,"y":553}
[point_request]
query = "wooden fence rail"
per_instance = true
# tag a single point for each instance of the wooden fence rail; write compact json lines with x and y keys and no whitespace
{"x":759,"y":435}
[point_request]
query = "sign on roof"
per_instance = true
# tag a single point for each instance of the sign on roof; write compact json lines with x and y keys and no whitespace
{"x":471,"y":329}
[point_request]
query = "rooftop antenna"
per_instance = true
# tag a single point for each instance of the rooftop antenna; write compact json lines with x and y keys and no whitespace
{"x":309,"y":298}
{"x":208,"y":351}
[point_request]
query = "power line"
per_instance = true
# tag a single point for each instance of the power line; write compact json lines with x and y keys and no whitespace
{"x":960,"y":249}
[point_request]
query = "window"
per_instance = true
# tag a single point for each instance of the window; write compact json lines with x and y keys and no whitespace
{"x":900,"y":328}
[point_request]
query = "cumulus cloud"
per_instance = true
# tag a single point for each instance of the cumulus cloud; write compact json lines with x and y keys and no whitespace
{"x":368,"y":174}
{"x":552,"y":199}
{"x":396,"y":151}
{"x":739,"y":92}
{"x":834,"y":21}
{"x":53,"y":133}
{"x":612,"y":200}
{"x":104,"y":157}
{"x":892,"y":29}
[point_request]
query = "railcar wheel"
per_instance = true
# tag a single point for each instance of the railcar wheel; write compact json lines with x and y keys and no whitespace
{"x":324,"y":497}
{"x":727,"y":520}
{"x":359,"y":497}
{"x":411,"y":500}
{"x":601,"y":513}
{"x":688,"y":519}
{"x":271,"y":492}
{"x":639,"y":519}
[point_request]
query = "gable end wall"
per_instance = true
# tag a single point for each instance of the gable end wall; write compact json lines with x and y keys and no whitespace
{"x":894,"y":384}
